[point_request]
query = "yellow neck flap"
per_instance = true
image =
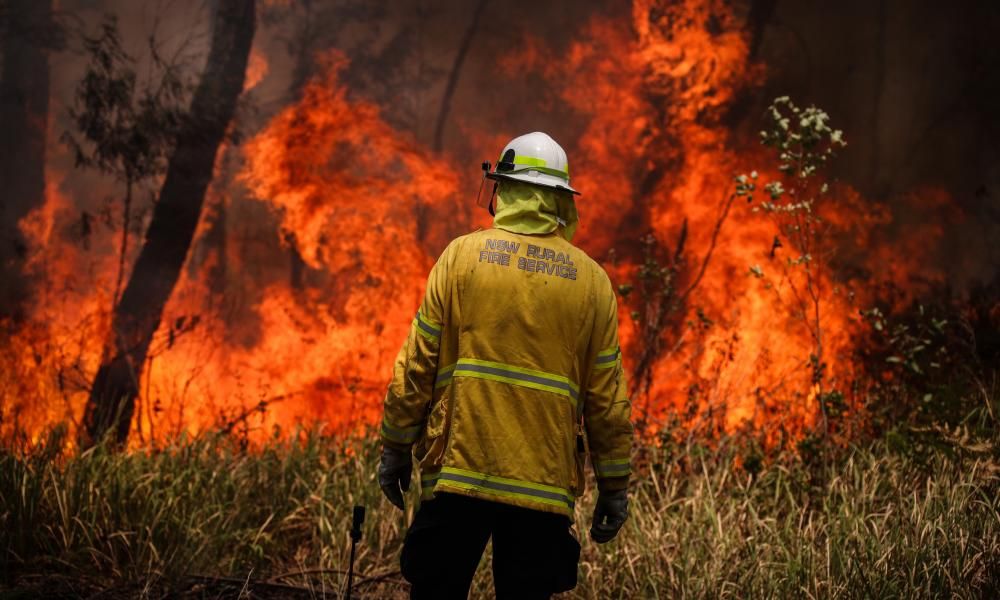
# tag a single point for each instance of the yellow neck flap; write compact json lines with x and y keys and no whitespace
{"x":533,"y":209}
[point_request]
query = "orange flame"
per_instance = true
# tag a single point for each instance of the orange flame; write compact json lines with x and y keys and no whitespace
{"x":353,"y":200}
{"x":257,"y":69}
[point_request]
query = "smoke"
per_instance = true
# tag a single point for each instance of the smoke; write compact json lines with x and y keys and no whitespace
{"x":914,"y":85}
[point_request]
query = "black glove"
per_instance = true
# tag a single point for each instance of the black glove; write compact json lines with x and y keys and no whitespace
{"x":612,"y":507}
{"x":394,"y":473}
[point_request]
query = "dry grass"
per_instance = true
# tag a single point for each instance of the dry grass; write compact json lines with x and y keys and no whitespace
{"x":203,"y":518}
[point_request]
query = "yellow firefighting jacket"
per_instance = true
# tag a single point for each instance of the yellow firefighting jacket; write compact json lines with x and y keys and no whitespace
{"x":512,"y":357}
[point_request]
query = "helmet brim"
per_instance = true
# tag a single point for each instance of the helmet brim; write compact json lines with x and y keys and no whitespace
{"x":541,"y":179}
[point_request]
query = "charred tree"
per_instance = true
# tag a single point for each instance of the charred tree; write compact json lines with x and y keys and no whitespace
{"x":24,"y":112}
{"x":137,"y":315}
{"x":453,"y":75}
{"x":451,"y":84}
{"x":304,"y":47}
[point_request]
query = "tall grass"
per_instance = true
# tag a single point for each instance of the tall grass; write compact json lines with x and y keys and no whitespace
{"x":205,"y":513}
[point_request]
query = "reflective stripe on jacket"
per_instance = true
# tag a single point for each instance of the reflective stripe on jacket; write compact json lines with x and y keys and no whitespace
{"x":513,"y":353}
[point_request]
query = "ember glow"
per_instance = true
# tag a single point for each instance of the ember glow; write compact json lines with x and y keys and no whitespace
{"x":365,"y":209}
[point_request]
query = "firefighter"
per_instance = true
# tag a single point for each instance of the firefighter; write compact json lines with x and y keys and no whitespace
{"x":510,"y":373}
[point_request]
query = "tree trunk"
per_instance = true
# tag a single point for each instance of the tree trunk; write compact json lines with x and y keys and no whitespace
{"x":456,"y":70}
{"x":24,"y":113}
{"x":175,"y":217}
{"x":302,"y":73}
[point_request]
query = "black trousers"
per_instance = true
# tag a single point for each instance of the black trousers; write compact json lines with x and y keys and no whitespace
{"x":534,"y":553}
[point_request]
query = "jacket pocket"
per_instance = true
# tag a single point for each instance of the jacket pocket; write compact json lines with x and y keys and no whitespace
{"x":439,"y":417}
{"x":436,"y":434}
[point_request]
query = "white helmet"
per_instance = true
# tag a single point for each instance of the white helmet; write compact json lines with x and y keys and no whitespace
{"x":534,"y":158}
